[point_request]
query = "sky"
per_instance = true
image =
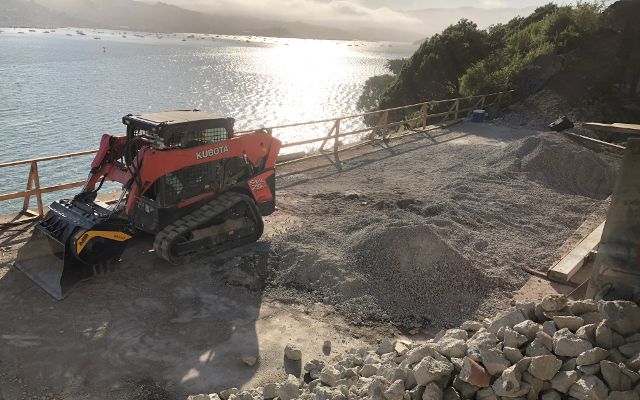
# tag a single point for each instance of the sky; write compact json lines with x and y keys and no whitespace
{"x":387,"y":13}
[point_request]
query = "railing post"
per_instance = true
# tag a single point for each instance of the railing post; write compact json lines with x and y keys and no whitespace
{"x":36,"y":183}
{"x":33,"y":184}
{"x":336,"y":132}
{"x":457,"y":105}
{"x":425,"y":115}
{"x":331,"y":131}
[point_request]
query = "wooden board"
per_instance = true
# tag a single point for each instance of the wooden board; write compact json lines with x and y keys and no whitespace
{"x":564,"y":269}
{"x":631,"y":129}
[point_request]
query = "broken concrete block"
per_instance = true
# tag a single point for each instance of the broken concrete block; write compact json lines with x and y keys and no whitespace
{"x":567,"y":344}
{"x":592,"y":356}
{"x":432,"y":391}
{"x":563,"y":380}
{"x":395,"y":390}
{"x":527,"y":328}
{"x":554,"y":302}
{"x":617,"y":376}
{"x":509,"y":318}
{"x":452,"y":347}
{"x":494,"y":361}
{"x":544,"y":367}
{"x":430,"y":369}
{"x":513,"y":338}
{"x":580,"y":307}
{"x":589,"y":388}
{"x":292,"y":352}
{"x":512,"y":354}
{"x":329,"y":375}
{"x":570,"y":322}
{"x":473,"y":373}
{"x":270,"y":391}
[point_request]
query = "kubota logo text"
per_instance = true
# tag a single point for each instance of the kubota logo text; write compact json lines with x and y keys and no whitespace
{"x":211,"y":152}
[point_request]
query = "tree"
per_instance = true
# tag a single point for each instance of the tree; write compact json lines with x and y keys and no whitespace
{"x":373,"y":89}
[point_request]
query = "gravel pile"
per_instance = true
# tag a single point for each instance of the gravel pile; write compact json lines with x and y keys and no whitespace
{"x":554,"y":350}
{"x":558,"y":163}
{"x":391,"y":271}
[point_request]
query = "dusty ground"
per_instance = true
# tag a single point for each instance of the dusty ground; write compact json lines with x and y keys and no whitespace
{"x":426,"y":233}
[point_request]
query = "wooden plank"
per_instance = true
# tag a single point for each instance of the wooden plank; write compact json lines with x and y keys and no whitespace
{"x":630,"y":129}
{"x":564,"y":269}
{"x":588,"y":139}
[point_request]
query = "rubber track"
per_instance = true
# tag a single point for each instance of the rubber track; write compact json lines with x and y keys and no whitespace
{"x":167,"y":237}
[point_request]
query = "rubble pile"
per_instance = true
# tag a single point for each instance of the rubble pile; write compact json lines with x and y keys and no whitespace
{"x":556,"y":349}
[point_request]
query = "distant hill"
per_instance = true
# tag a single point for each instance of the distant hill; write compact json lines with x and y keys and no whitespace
{"x":162,"y":17}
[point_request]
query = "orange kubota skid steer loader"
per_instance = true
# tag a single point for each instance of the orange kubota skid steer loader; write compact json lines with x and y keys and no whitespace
{"x":186,"y":178}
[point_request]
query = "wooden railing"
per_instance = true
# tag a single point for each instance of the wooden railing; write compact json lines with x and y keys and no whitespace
{"x":415,"y":118}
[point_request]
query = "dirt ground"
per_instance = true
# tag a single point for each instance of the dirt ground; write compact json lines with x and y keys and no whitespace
{"x":413,"y":236}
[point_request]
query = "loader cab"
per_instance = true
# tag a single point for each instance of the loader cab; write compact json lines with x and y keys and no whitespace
{"x":174,"y":131}
{"x":178,"y":129}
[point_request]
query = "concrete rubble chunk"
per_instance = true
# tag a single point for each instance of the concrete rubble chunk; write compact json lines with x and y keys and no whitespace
{"x":386,"y":346}
{"x":419,"y":352}
{"x":580,"y":307}
{"x":544,"y":367}
{"x":549,"y":327}
{"x":509,"y":318}
{"x":622,"y":316}
{"x":430,"y":369}
{"x":569,"y":365}
{"x":617,"y":376}
{"x":630,"y":349}
{"x":604,"y":336}
{"x":628,"y":395}
{"x":535,"y":385}
{"x":432,"y":392}
{"x":452,"y":347}
{"x":527,"y":328}
{"x":551,"y":395}
{"x":486,"y":394}
{"x":587,"y":332}
{"x":417,"y":392}
{"x":592,"y":356}
{"x":202,"y":397}
{"x":482,"y":340}
{"x":539,"y":346}
{"x":567,"y":344}
{"x":292,"y":352}
{"x":329,"y":375}
{"x":225,"y":394}
{"x":250,"y":360}
{"x":450,"y":394}
{"x":512,"y":354}
{"x":400,"y":348}
{"x":395,"y":390}
{"x":554,"y":302}
{"x":474,"y":373}
{"x":513,"y":338}
{"x":633,"y":338}
{"x":589,"y":388}
{"x":563,"y":380}
{"x":494,"y":361}
{"x":593,"y":369}
{"x":471,"y":326}
{"x":466,"y":390}
{"x":456,"y":334}
{"x":289,"y":389}
{"x":270,"y":391}
{"x":570,"y":322}
{"x":634,"y":362}
{"x":369,"y":370}
{"x":377,"y":387}
{"x":508,"y":383}
{"x":594,"y":317}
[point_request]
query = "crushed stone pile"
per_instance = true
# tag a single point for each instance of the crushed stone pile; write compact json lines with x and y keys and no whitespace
{"x":553,"y":350}
{"x":391,"y":271}
{"x":558,"y":163}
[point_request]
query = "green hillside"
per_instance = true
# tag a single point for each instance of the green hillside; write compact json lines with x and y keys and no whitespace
{"x":587,"y":54}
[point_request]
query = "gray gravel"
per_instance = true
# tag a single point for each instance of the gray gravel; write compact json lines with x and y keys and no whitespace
{"x":432,"y":235}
